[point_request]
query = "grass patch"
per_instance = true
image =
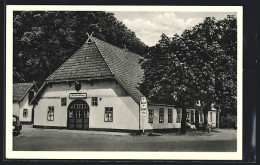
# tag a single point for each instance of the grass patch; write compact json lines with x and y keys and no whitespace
{"x":153,"y":134}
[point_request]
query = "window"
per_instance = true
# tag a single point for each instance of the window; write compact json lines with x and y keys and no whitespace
{"x":79,"y":114}
{"x":178,"y":116}
{"x":108,"y":114}
{"x":210,"y":116}
{"x":86,"y":114}
{"x":25,"y":113}
{"x":94,"y":101}
{"x":50,"y":116}
{"x":169,"y":115}
{"x":71,"y":114}
{"x":161,"y":115}
{"x":188,"y":114}
{"x":150,"y":119}
{"x":63,"y":101}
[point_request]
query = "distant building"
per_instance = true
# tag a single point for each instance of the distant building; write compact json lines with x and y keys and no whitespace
{"x":97,"y":89}
{"x":23,"y":93}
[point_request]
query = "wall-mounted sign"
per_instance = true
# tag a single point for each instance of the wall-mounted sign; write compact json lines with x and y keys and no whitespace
{"x":143,"y":100}
{"x":78,"y":95}
{"x":144,"y":112}
{"x":143,"y":106}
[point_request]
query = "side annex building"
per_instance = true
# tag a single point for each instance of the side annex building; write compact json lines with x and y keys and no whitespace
{"x":97,"y":89}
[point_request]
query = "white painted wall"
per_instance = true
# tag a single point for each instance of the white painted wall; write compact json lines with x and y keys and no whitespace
{"x":19,"y":107}
{"x":156,"y":124}
{"x":214,"y":118}
{"x":125,"y":109}
{"x":16,"y":109}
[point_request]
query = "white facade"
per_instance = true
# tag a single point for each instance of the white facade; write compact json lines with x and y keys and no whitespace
{"x":109,"y":94}
{"x":20,"y":108}
{"x":162,"y":121}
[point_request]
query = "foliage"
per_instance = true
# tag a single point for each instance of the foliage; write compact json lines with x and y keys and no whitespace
{"x":198,"y":65}
{"x":228,"y":121}
{"x":43,"y":40}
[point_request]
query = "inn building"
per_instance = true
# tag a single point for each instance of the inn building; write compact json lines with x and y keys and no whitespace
{"x":97,"y":89}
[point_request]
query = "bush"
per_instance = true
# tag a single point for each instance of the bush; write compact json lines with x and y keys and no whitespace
{"x":228,"y":122}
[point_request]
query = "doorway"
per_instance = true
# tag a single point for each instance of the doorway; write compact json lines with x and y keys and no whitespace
{"x":78,"y":115}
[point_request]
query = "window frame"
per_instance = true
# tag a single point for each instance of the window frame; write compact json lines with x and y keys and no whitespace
{"x":49,"y":119}
{"x":150,"y":117}
{"x":170,"y":116}
{"x":161,"y":115}
{"x":25,"y":116}
{"x":108,"y":111}
{"x":62,"y":101}
{"x":93,"y":101}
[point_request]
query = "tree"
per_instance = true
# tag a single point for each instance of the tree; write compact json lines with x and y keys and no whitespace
{"x":216,"y":46}
{"x":169,"y":76}
{"x":43,"y":40}
{"x":198,"y":65}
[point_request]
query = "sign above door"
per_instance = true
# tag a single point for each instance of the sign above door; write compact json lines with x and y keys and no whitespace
{"x":78,"y":95}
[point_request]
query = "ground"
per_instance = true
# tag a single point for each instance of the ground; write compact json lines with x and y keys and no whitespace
{"x":36,"y":139}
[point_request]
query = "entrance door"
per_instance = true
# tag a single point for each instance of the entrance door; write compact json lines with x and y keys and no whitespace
{"x":197,"y":118}
{"x":78,"y":115}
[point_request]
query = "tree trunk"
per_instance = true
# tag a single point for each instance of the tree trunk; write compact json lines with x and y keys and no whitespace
{"x":206,"y":127}
{"x":183,"y":121}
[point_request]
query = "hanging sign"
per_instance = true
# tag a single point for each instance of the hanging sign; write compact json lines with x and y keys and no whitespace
{"x":78,"y":95}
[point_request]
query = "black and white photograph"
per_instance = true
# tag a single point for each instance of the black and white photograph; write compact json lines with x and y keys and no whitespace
{"x":142,"y":82}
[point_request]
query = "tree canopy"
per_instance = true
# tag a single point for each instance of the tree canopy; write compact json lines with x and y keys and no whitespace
{"x":43,"y":40}
{"x":200,"y":65}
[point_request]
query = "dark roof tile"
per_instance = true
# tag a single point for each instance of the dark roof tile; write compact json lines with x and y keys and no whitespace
{"x":87,"y":62}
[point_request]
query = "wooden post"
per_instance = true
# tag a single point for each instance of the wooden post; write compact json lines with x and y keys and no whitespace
{"x":143,"y":124}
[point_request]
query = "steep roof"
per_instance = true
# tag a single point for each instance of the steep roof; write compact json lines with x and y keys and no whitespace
{"x":20,"y":90}
{"x":98,"y":59}
{"x":124,"y":65}
{"x":87,"y":62}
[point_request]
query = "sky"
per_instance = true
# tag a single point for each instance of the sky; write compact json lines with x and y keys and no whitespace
{"x":149,"y":26}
